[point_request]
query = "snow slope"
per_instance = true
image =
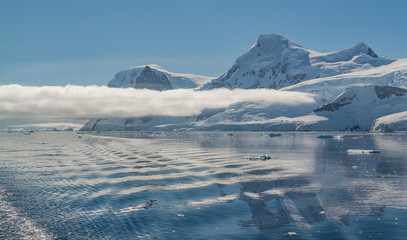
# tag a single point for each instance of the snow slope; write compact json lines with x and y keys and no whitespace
{"x":276,"y":62}
{"x":155,"y":77}
{"x":357,"y":108}
{"x":258,"y":116}
{"x":327,"y":88}
{"x":391,"y":123}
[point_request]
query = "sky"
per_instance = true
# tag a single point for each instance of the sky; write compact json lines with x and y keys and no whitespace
{"x":85,"y":42}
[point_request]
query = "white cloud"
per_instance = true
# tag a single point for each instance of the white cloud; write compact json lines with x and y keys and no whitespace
{"x":80,"y":102}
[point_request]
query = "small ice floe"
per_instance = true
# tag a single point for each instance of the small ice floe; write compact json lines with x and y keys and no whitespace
{"x":142,"y":206}
{"x":361,"y":151}
{"x":275,"y":135}
{"x":291,"y":234}
{"x":258,"y":157}
{"x":325,"y":136}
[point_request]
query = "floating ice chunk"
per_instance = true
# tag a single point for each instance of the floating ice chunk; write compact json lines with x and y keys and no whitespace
{"x":254,"y":157}
{"x":325,"y":136}
{"x":361,"y":151}
{"x":275,"y":135}
{"x":291,"y":234}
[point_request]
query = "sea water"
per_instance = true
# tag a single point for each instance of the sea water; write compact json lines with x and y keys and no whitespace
{"x":202,"y":185}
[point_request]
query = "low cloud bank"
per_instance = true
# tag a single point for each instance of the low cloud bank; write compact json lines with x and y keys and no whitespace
{"x":83,"y":102}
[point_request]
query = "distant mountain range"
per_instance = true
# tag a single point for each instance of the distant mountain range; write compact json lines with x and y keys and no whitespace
{"x":354,"y":89}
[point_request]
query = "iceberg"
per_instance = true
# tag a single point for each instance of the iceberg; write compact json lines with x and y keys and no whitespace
{"x":361,"y":151}
{"x":256,"y":157}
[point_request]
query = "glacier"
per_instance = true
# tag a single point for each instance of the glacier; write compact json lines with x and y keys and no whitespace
{"x":390,"y":123}
{"x":354,"y":90}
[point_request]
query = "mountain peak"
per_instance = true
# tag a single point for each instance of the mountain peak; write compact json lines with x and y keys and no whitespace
{"x":153,"y":76}
{"x":150,"y":66}
{"x":272,"y":62}
{"x":273,"y":48}
{"x":364,"y":48}
{"x":272,"y":36}
{"x":274,"y":41}
{"x":359,"y":51}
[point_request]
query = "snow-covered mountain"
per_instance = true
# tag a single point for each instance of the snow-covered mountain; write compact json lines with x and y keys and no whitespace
{"x":257,"y":116}
{"x":358,"y":107}
{"x":149,"y":77}
{"x":276,"y":62}
{"x":155,"y":77}
{"x":354,"y":89}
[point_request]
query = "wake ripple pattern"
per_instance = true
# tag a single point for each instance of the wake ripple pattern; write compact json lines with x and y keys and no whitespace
{"x":182,"y":185}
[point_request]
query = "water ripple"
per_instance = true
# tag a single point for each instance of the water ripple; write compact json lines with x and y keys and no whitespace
{"x":198,"y":186}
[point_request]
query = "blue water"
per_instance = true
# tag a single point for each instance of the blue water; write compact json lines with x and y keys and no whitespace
{"x":198,"y":185}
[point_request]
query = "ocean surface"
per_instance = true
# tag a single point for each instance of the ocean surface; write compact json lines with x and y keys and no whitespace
{"x":202,"y":185}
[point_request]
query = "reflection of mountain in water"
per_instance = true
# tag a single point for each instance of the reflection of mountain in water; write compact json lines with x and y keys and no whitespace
{"x":276,"y":209}
{"x":341,"y":187}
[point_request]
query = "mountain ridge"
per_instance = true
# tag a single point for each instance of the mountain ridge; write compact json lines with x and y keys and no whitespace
{"x":274,"y":61}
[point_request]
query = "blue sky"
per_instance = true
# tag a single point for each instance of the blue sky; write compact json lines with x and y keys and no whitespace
{"x":48,"y":42}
